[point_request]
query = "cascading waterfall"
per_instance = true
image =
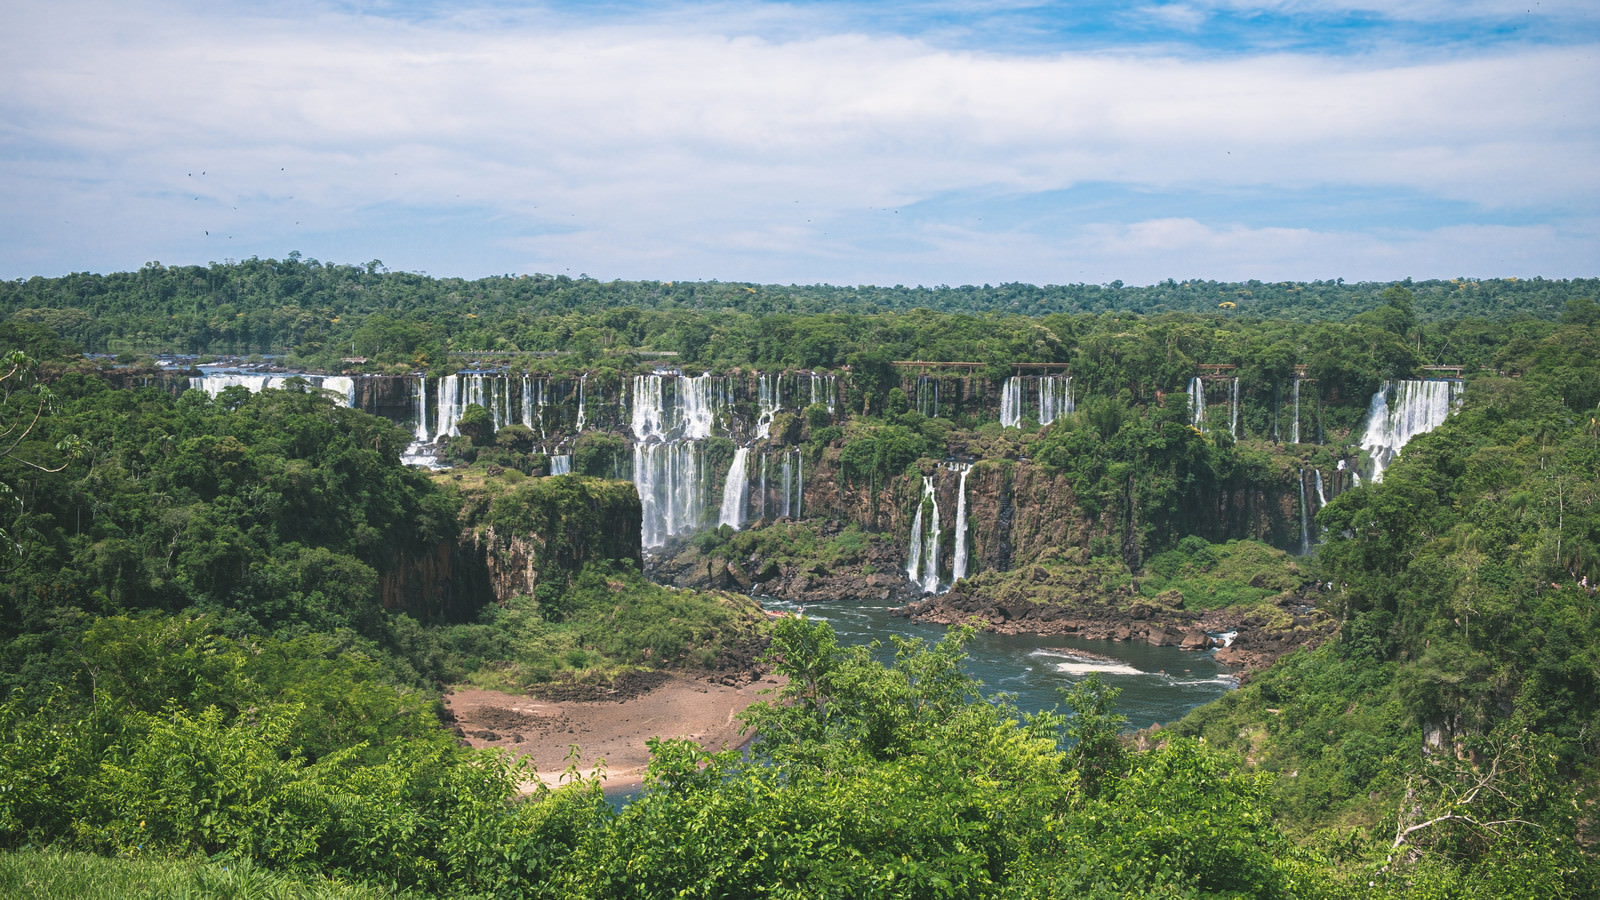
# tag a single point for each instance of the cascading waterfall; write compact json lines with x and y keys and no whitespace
{"x":825,"y":389}
{"x":1011,"y":403}
{"x":922,"y":563}
{"x":734,"y":490}
{"x":215,"y":383}
{"x":420,"y":404}
{"x":763,"y":513}
{"x":930,"y":556}
{"x":1233,"y":419}
{"x":583,"y":390}
{"x":1055,"y":397}
{"x":1322,"y":499}
{"x":1197,"y":402}
{"x":783,"y":507}
{"x":1419,"y":407}
{"x":668,"y":477}
{"x":768,"y":403}
{"x":927,"y":397}
{"x":958,"y":566}
{"x":799,"y":485}
{"x":914,"y":551}
{"x":696,"y":406}
{"x":1305,"y":518}
{"x":1355,"y":476}
{"x":449,"y":394}
{"x":668,"y":450}
{"x":533,"y":403}
{"x":649,"y":408}
{"x":343,"y":385}
{"x":1294,"y":430}
{"x":561,"y":464}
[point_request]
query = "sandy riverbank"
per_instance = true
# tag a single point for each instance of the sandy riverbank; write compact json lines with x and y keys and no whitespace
{"x":611,"y":730}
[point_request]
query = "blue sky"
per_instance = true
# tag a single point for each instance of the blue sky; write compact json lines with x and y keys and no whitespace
{"x":941,"y":142}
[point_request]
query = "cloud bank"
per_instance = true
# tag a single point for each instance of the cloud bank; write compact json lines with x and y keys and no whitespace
{"x":677,"y":147}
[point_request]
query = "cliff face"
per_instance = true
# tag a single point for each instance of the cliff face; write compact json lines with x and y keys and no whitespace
{"x":446,"y":582}
{"x":541,"y":531}
{"x":545,"y":530}
{"x":1017,"y":511}
{"x":390,"y":396}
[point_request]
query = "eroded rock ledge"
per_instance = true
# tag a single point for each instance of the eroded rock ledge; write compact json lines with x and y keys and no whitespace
{"x":1260,"y":633}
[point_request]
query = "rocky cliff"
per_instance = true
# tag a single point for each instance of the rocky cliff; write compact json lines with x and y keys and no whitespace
{"x":513,"y":540}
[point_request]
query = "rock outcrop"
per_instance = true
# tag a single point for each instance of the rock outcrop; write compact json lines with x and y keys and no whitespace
{"x":543,"y":530}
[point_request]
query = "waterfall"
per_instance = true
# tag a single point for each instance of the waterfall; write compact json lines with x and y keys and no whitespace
{"x":1197,"y":402}
{"x":958,"y":568}
{"x":561,"y":464}
{"x":1355,"y":476}
{"x":668,"y":452}
{"x":1011,"y":403}
{"x":783,"y":508}
{"x":768,"y":403}
{"x":1233,"y":420}
{"x":420,"y":436}
{"x":922,"y":563}
{"x":533,"y":403}
{"x":217,"y":382}
{"x":1419,"y":407}
{"x":540,"y":401}
{"x":342,"y":385}
{"x":449,"y":394}
{"x":930,"y":556}
{"x":927,"y":396}
{"x":1055,"y":397}
{"x":214,"y":383}
{"x":1294,"y":430}
{"x":825,"y":387}
{"x":763,"y":513}
{"x":583,"y":385}
{"x":1305,"y":520}
{"x":648,"y":408}
{"x":799,"y":485}
{"x":696,"y":407}
{"x":914,"y":552}
{"x":669,"y":480}
{"x":734,"y":490}
{"x":1322,"y":499}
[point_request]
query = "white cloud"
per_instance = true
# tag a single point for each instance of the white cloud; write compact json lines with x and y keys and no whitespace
{"x":1422,"y":10}
{"x":668,"y":143}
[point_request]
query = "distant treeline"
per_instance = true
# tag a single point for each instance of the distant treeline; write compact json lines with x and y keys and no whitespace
{"x":319,"y":310}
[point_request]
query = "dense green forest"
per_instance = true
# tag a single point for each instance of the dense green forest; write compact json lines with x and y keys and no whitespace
{"x":202,"y":671}
{"x":321,"y":312}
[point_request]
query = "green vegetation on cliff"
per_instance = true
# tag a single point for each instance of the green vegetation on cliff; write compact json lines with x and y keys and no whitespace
{"x":201,"y":664}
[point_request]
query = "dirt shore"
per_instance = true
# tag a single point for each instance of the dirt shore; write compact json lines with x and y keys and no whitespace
{"x":613,"y":731}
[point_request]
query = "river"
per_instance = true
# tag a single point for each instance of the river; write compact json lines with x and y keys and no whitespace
{"x":1159,"y":684}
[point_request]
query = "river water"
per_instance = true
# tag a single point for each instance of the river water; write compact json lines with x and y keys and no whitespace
{"x":1159,"y":684}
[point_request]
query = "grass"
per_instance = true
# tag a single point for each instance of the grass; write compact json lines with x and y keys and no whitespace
{"x":60,"y":874}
